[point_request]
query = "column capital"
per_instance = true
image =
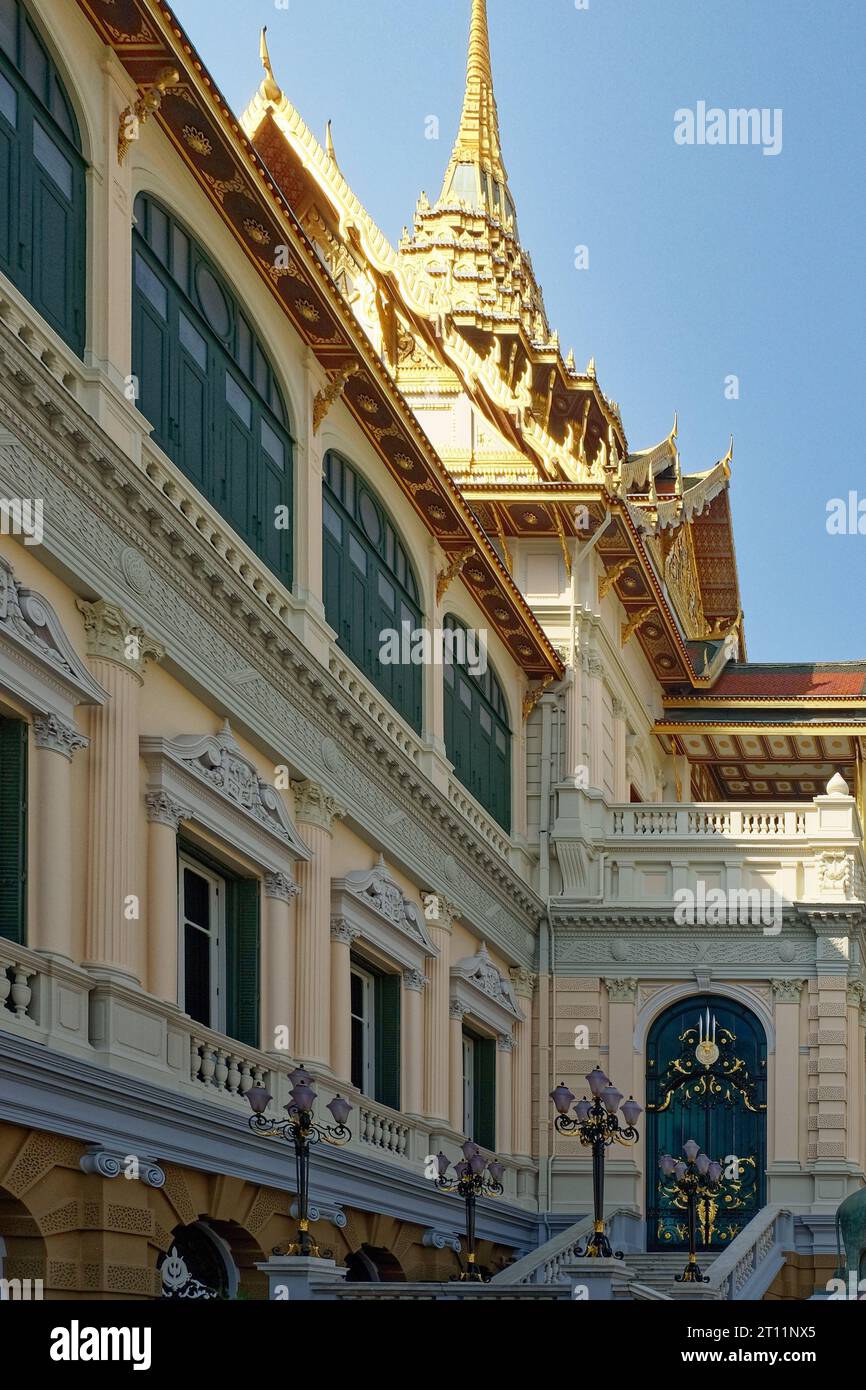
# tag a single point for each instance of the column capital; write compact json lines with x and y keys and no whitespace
{"x":523,"y":980}
{"x":415,"y":980}
{"x":281,"y":887}
{"x":344,"y":931}
{"x":162,"y":809}
{"x":787,"y":991}
{"x":57,"y":736}
{"x":113,"y":636}
{"x":622,"y":990}
{"x":315,"y":806}
{"x":438,"y":911}
{"x":457,"y":1010}
{"x":504,"y":1042}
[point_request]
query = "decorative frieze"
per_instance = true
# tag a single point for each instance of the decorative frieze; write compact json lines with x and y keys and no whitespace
{"x":57,"y":736}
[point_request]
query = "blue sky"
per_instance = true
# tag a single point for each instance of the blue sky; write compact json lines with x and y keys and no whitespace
{"x":704,"y":261}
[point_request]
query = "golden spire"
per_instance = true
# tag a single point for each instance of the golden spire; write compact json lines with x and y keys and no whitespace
{"x":329,"y":144}
{"x":478,"y":143}
{"x":270,"y":88}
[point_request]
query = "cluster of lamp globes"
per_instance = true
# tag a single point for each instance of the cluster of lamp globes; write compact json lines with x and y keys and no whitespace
{"x":302,"y":1098}
{"x":472,"y":1165}
{"x":707,"y":1167}
{"x":602,"y":1089}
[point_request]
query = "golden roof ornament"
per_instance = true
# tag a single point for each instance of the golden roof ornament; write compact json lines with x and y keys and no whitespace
{"x":270,"y":89}
{"x":590,"y":368}
{"x":329,"y":144}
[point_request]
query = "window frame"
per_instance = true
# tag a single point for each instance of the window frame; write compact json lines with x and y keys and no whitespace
{"x":368,"y":1030}
{"x":464,"y":747}
{"x":217,"y":896}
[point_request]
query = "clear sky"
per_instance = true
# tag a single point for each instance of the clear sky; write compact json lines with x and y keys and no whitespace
{"x":705,"y":261}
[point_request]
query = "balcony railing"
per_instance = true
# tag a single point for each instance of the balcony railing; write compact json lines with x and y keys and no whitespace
{"x":800,"y":851}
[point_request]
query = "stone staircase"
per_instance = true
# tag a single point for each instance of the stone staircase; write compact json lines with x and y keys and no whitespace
{"x":658,"y":1270}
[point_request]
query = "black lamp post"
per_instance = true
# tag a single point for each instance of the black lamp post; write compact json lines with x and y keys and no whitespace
{"x":596,"y":1125}
{"x":697,"y":1179}
{"x":474,"y":1178}
{"x":300,"y":1130}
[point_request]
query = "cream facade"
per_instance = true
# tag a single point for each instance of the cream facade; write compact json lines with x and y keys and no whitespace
{"x":197,"y":738}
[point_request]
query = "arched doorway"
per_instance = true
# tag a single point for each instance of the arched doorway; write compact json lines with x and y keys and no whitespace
{"x":374,"y":1265}
{"x":706,"y":1080}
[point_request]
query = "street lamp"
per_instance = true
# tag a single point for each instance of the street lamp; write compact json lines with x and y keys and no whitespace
{"x":697,"y":1179}
{"x":474,"y":1178}
{"x":596,"y":1125}
{"x":300,"y":1130}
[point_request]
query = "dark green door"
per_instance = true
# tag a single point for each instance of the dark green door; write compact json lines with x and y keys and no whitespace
{"x":707,"y":1081}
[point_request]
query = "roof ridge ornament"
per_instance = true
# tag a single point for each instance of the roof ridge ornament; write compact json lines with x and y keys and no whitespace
{"x":270,"y":88}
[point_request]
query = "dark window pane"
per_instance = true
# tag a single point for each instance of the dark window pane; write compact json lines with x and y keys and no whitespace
{"x":159,"y":233}
{"x":180,"y":258}
{"x":357,"y":995}
{"x":9,"y":29}
{"x":196,"y":974}
{"x":486,"y":721}
{"x":465,"y":695}
{"x":332,"y":521}
{"x":349,"y":490}
{"x":52,"y":159}
{"x":35,"y":64}
{"x":193,"y":342}
{"x":59,"y":107}
{"x":196,"y":898}
{"x":239,"y":401}
{"x":213,"y":302}
{"x":357,"y":1054}
{"x":386,"y":593}
{"x":245,"y":347}
{"x":273,"y":445}
{"x":260,"y":372}
{"x":151,"y":286}
{"x":370,"y":519}
{"x":8,"y":101}
{"x":357,"y":555}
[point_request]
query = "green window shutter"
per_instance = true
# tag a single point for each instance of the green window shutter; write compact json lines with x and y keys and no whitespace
{"x":242,"y":961}
{"x":388,"y":1040}
{"x":9,"y":117}
{"x":485,"y":1093}
{"x":13,"y":829}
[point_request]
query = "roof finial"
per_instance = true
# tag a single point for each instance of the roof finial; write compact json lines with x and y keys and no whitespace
{"x":729,"y":456}
{"x":676,"y":429}
{"x":329,"y":144}
{"x":270,"y":89}
{"x":478,"y":139}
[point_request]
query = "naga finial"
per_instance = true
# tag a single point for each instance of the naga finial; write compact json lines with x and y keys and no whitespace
{"x":270,"y":88}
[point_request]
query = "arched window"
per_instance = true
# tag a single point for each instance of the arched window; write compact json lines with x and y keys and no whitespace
{"x":207,"y":386}
{"x":369,"y":586}
{"x":42,"y":186}
{"x":477,"y":735}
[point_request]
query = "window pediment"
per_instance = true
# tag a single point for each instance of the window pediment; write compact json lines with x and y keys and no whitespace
{"x":370,"y":900}
{"x":41,"y":666}
{"x":479,"y":989}
{"x":212,"y":779}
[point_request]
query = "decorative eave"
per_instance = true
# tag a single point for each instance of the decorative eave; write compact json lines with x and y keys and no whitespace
{"x":148,"y":39}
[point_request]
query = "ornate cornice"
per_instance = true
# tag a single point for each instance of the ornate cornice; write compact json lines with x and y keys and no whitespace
{"x":57,"y":736}
{"x":112,"y":636}
{"x":280,"y":887}
{"x":162,"y":809}
{"x":315,"y":806}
